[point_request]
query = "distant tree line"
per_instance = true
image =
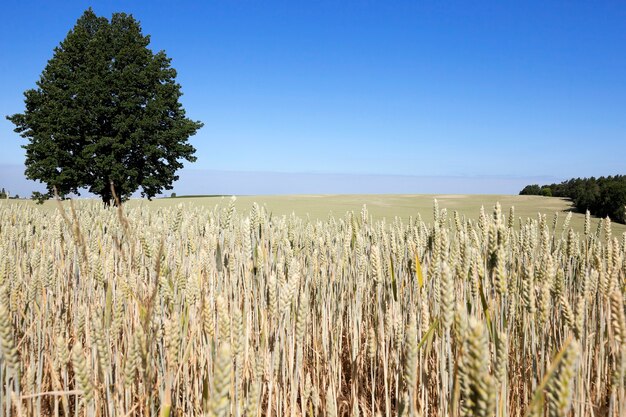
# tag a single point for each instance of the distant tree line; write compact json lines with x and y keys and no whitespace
{"x":5,"y":194}
{"x":603,"y":196}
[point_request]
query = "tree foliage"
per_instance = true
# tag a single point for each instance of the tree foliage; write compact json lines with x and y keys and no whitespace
{"x":603,"y":196}
{"x":533,"y":189}
{"x":106,"y":110}
{"x":39,"y":197}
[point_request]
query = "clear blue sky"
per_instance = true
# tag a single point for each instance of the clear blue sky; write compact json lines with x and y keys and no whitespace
{"x":437,"y":89}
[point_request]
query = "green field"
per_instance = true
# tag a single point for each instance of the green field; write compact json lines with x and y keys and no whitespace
{"x":318,"y":207}
{"x":384,"y":206}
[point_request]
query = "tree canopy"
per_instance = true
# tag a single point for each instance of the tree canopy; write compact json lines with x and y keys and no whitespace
{"x":106,"y":110}
{"x":603,"y":196}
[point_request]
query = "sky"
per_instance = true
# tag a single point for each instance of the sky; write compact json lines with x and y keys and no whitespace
{"x":365,"y":96}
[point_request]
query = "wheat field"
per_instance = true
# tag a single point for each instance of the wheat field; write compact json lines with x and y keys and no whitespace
{"x":186,"y":310}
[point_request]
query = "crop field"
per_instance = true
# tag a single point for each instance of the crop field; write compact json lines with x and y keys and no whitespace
{"x":220,"y":307}
{"x":387,"y":207}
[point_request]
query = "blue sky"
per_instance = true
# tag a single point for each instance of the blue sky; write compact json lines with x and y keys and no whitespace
{"x":315,"y":90}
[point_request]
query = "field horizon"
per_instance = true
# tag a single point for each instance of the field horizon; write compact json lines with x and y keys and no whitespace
{"x":380,"y":206}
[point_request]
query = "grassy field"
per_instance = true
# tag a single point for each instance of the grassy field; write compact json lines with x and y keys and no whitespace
{"x":382,"y":206}
{"x":319,"y":207}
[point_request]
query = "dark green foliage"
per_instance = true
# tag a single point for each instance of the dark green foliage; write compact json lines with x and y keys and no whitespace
{"x":39,"y":197}
{"x":534,"y":189}
{"x":604,"y":196}
{"x":106,"y":110}
{"x":3,"y":194}
{"x":612,"y":201}
{"x":546,"y":191}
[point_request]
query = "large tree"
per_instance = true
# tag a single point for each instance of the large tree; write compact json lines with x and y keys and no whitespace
{"x":106,"y":110}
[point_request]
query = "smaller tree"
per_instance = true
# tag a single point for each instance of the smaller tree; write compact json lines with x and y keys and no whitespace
{"x":39,"y":197}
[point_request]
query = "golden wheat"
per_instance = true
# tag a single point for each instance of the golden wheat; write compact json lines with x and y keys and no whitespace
{"x":147,"y":311}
